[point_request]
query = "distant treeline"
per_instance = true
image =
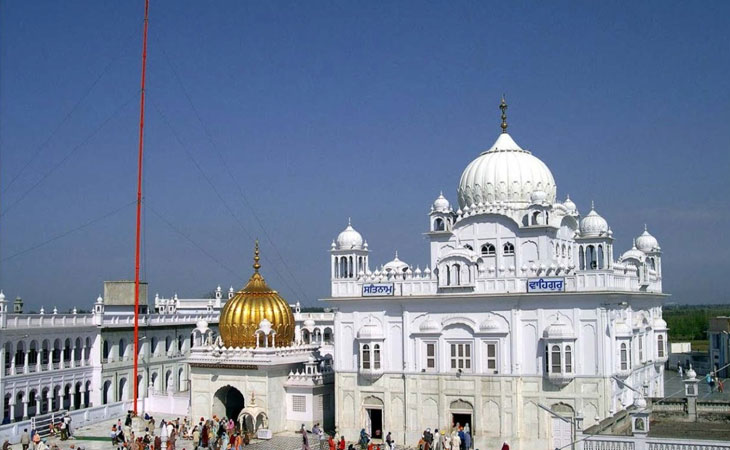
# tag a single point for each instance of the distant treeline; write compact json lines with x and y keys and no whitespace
{"x":689,"y":322}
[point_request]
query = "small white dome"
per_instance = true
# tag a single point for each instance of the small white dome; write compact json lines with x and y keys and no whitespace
{"x":558,"y":330}
{"x":569,"y":205}
{"x":691,"y":374}
{"x":349,"y":238}
{"x":309,"y":323}
{"x":634,"y":253}
{"x":505,"y":173}
{"x":646,"y":242}
{"x":430,"y":326}
{"x":593,"y":225}
{"x":490,"y":324}
{"x":396,"y":266}
{"x":441,"y":204}
{"x":202,"y":326}
{"x":660,"y":324}
{"x":538,"y":197}
{"x":370,"y":330}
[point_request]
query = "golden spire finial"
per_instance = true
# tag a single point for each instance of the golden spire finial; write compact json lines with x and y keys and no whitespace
{"x":503,"y":107}
{"x":256,"y":257}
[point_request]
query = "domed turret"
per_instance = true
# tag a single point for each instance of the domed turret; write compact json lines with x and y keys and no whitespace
{"x":396,"y":265}
{"x":593,"y":224}
{"x":646,"y":242}
{"x":505,"y":173}
{"x":349,"y":238}
{"x":256,"y":302}
{"x":441,"y":204}
{"x":570,"y":206}
{"x":633,"y":253}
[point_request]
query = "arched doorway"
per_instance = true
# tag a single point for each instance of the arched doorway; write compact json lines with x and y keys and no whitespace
{"x":462,"y":413}
{"x":562,"y":425}
{"x":373,"y":416}
{"x":228,"y":402}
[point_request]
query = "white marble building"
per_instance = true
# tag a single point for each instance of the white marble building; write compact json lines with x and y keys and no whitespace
{"x":53,"y":362}
{"x":522,"y":304}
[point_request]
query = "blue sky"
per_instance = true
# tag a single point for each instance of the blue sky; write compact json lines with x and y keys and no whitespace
{"x":328,"y":110}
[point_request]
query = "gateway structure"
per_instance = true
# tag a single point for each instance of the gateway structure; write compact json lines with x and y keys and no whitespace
{"x":269,"y":369}
{"x":522,"y":307}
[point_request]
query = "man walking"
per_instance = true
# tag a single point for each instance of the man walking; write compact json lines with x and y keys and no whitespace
{"x":25,"y":439}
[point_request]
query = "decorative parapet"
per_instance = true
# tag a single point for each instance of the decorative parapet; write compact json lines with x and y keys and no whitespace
{"x":220,"y":356}
{"x":23,"y":321}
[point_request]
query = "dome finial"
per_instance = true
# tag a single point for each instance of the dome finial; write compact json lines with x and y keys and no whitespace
{"x":256,"y":257}
{"x":645,"y":228}
{"x":593,"y":206}
{"x":349,"y":222}
{"x":503,"y":107}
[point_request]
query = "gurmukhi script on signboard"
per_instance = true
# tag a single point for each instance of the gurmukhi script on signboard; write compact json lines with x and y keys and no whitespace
{"x":377,"y":289}
{"x":555,"y":284}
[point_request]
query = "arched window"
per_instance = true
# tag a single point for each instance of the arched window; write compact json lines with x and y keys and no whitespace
{"x":105,"y":351}
{"x":438,"y":224}
{"x":508,"y":249}
{"x":180,"y":342}
{"x":624,"y":357}
{"x":168,"y":344}
{"x":488,"y":250}
{"x":122,"y":348}
{"x":581,"y":258}
{"x":45,"y":352}
{"x":660,"y":346}
{"x":365,"y":360}
{"x":67,"y":350}
{"x":456,"y":273}
{"x":557,"y":249}
{"x":652,"y":264}
{"x":153,"y":346}
{"x":600,"y":257}
{"x":555,"y":363}
{"x":448,"y":276}
{"x":351,"y":268}
{"x":568,"y":359}
{"x":535,"y":218}
{"x":563,"y":251}
{"x":468,"y":247}
{"x":376,"y":356}
{"x":591,"y":257}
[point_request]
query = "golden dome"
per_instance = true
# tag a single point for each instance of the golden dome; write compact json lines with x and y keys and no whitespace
{"x":243,"y":313}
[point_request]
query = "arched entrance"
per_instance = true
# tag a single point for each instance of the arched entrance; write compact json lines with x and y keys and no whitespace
{"x":228,"y":402}
{"x":373,"y":416}
{"x":462,"y":414}
{"x":562,"y":429}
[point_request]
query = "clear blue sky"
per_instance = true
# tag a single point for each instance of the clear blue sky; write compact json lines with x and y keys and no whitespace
{"x":325,"y":110}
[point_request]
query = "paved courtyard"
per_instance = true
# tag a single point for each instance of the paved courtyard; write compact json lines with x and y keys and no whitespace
{"x":95,"y":437}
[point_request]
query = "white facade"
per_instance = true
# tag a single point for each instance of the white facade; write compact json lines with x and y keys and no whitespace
{"x":52,"y":362}
{"x":521,"y":304}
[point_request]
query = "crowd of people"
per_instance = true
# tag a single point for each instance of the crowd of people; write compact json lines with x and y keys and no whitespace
{"x":458,"y":438}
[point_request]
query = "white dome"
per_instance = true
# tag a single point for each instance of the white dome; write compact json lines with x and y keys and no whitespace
{"x":538,"y":197}
{"x":593,"y":225}
{"x":202,"y":326}
{"x":441,"y":204}
{"x":558,"y":330}
{"x":660,"y":324}
{"x":370,"y":330}
{"x":430,"y":326}
{"x":505,"y":173}
{"x":349,"y":238}
{"x":309,"y":323}
{"x":569,"y":205}
{"x":396,"y":265}
{"x":490,"y":324}
{"x":646,"y":242}
{"x":634,"y":253}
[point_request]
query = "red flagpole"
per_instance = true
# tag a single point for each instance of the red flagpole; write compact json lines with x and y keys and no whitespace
{"x":139,"y":207}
